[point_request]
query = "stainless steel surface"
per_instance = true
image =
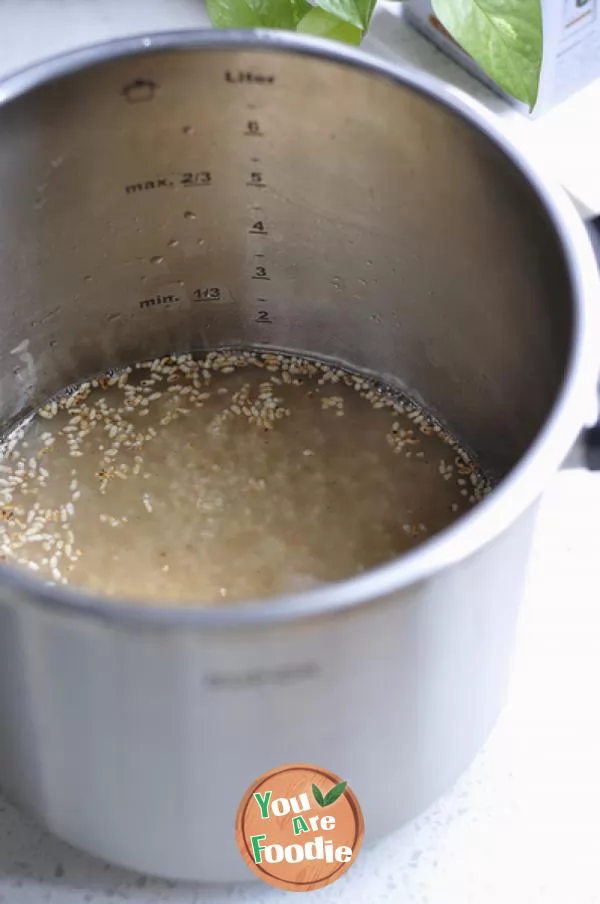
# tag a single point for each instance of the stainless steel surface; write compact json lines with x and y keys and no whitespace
{"x":193,"y":190}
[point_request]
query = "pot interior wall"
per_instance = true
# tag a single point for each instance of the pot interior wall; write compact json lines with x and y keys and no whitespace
{"x":176,"y":201}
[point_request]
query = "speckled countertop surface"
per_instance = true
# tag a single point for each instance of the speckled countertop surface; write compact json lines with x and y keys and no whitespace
{"x":523,"y":824}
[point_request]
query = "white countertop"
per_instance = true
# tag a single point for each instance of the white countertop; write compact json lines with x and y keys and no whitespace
{"x":523,"y":824}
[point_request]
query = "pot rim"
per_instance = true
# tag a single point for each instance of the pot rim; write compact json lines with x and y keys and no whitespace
{"x":574,"y":406}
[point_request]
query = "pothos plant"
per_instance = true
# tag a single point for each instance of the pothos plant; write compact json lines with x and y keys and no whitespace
{"x":503,"y":36}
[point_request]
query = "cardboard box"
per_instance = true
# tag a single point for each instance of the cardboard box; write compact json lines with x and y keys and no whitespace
{"x":571,"y":53}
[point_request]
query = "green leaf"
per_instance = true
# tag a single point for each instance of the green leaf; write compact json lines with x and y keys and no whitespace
{"x":503,"y":36}
{"x":324,"y":25}
{"x":280,"y":13}
{"x":231,"y":14}
{"x":333,"y":793}
{"x":318,"y":796}
{"x":257,"y":13}
{"x":354,"y":12}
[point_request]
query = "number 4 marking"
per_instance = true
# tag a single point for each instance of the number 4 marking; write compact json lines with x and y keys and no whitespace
{"x":258,"y":228}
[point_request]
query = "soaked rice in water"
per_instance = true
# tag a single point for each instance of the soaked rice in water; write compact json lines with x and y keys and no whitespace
{"x":197,"y":481}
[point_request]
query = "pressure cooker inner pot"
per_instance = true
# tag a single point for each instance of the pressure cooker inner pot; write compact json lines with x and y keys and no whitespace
{"x":175,"y":202}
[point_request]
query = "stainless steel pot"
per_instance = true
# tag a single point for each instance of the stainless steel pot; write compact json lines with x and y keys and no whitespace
{"x":201,"y":189}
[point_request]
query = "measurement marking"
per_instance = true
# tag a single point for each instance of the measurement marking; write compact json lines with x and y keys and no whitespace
{"x":266,"y":278}
{"x":246,"y":77}
{"x":147,"y":185}
{"x":210,"y":294}
{"x":259,"y":255}
{"x":263,"y":316}
{"x":164,"y":300}
{"x":196,"y":180}
{"x":189,"y":180}
{"x":256,"y":181}
{"x":258,"y":228}
{"x":253,"y":129}
{"x":255,"y":159}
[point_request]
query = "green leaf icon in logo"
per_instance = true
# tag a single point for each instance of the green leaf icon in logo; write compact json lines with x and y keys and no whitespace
{"x":332,"y":795}
{"x":318,"y":796}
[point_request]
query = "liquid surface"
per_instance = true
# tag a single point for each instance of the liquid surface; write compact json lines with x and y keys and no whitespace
{"x":194,"y":482}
